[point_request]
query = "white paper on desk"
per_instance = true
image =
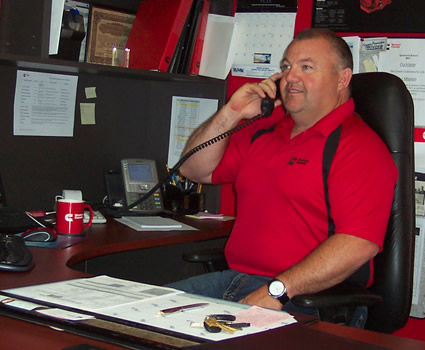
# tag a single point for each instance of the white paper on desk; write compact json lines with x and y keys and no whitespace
{"x":141,"y":303}
{"x":153,"y":223}
{"x":65,"y":314}
{"x":218,"y":51}
{"x":20,"y":304}
{"x":44,"y":104}
{"x":263,"y":38}
{"x":147,"y":313}
{"x":92,"y":294}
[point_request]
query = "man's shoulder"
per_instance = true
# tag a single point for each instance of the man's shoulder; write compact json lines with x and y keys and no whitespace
{"x":356,"y":129}
{"x":358,"y":139}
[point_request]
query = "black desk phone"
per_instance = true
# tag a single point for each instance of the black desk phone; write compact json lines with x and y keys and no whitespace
{"x":140,"y":176}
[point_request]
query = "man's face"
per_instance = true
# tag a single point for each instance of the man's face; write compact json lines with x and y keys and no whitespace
{"x":310,"y":83}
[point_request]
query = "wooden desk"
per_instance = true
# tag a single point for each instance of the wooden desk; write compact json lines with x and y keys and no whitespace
{"x":55,"y":265}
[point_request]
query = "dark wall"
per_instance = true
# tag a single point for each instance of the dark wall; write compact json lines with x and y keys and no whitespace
{"x":133,"y":110}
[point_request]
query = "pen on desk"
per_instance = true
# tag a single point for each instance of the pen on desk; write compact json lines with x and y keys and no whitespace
{"x":181,"y":308}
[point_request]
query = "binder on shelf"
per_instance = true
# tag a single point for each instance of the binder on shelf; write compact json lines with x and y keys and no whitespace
{"x":199,"y":41}
{"x":156,"y":32}
{"x":188,"y":38}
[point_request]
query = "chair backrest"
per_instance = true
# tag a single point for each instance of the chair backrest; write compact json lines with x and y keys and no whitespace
{"x":384,"y":102}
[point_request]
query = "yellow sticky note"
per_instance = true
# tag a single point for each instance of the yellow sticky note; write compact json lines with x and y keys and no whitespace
{"x":90,"y":92}
{"x":87,"y":112}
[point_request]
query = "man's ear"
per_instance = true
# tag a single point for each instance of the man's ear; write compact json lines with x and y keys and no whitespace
{"x":345,"y":78}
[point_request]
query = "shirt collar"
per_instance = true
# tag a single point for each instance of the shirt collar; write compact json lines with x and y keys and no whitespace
{"x":329,"y":122}
{"x":335,"y":118}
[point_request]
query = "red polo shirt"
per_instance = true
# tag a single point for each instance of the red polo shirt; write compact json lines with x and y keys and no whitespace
{"x":281,"y":210}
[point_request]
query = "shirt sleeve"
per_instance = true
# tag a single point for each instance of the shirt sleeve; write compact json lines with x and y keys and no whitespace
{"x":228,"y":168}
{"x":362,"y":179}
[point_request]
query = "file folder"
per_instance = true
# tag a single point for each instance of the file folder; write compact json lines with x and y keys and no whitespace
{"x":186,"y":45}
{"x":199,"y":43}
{"x":155,"y":33}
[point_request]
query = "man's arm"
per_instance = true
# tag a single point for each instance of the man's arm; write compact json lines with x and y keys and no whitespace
{"x":199,"y":167}
{"x":329,"y":264}
{"x":244,"y":104}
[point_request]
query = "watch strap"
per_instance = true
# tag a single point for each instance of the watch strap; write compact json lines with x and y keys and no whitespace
{"x":283,"y":299}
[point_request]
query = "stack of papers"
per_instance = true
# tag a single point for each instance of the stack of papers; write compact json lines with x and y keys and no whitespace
{"x":204,"y":215}
{"x":153,"y":223}
{"x":139,"y":303}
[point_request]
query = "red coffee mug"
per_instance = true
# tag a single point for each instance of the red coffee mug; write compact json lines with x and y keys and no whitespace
{"x":70,"y":216}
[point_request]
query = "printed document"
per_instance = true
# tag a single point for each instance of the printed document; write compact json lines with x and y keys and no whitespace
{"x":187,"y":113}
{"x":405,"y":58}
{"x":44,"y":104}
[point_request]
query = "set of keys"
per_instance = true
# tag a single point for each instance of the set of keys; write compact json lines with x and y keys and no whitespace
{"x":217,"y":323}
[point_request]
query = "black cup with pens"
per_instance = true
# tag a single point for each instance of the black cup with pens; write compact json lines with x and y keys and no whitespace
{"x":183,"y":197}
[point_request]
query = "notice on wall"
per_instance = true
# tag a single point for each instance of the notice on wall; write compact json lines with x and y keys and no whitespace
{"x":405,"y":58}
{"x":187,"y":114}
{"x":44,"y":104}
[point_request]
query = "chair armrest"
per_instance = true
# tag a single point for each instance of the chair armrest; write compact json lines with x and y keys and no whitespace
{"x":213,"y":259}
{"x":205,"y":256}
{"x":343,"y":294}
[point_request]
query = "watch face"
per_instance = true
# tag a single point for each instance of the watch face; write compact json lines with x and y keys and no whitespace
{"x":277,"y":288}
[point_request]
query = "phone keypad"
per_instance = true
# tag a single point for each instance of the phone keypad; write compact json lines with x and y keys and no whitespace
{"x":151,"y":203}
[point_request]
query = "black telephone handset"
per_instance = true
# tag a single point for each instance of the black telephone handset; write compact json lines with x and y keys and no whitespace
{"x":267,"y":104}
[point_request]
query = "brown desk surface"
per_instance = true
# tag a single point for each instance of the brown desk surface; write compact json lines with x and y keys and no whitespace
{"x":55,"y":265}
{"x":102,"y":239}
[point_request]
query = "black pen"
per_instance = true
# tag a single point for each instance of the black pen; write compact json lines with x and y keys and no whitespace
{"x":181,"y":308}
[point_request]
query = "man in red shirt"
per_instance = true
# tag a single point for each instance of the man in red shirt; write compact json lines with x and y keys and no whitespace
{"x":282,"y":244}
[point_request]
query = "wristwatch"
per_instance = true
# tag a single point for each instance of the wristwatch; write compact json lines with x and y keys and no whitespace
{"x":277,"y":290}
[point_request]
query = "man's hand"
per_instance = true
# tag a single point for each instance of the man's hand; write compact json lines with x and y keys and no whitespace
{"x":261,"y":297}
{"x":246,"y":101}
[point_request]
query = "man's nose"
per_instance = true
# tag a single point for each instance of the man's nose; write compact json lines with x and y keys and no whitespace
{"x":292,"y":74}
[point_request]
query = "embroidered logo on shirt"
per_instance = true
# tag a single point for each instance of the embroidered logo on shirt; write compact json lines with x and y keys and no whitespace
{"x":296,"y":160}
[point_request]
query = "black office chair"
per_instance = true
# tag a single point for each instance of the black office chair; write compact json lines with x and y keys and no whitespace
{"x":384,"y":102}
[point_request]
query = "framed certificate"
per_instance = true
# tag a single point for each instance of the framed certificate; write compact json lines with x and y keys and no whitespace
{"x":108,"y":28}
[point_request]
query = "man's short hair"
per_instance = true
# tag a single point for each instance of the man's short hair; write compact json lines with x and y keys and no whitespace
{"x":341,"y":48}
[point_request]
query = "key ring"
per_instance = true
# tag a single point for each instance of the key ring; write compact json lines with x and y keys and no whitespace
{"x":217,"y":322}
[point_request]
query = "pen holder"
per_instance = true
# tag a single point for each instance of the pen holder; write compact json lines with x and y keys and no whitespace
{"x":182,"y":201}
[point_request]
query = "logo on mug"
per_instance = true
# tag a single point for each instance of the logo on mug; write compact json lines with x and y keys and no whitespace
{"x":70,"y":217}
